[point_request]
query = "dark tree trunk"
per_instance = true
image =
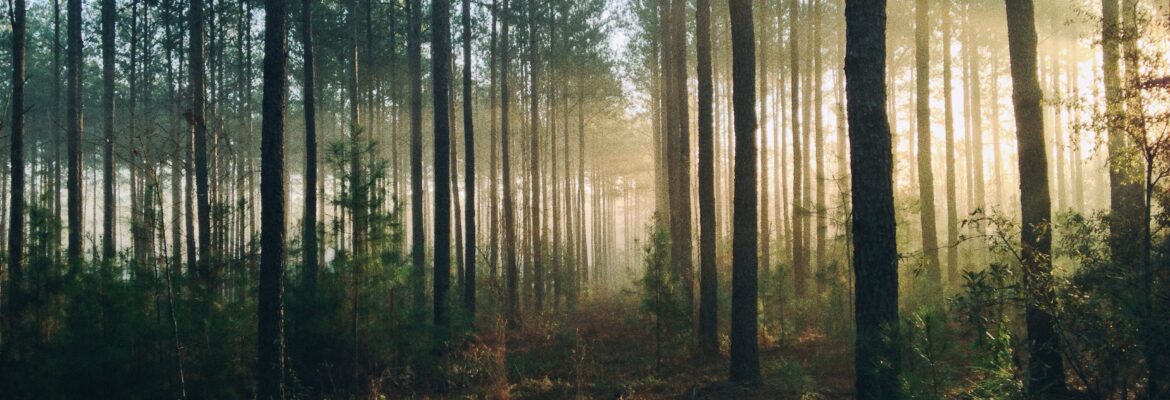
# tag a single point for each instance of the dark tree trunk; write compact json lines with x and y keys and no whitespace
{"x":678,"y":153}
{"x":441,"y":90}
{"x":358,"y":186}
{"x":1045,"y":369}
{"x":930,"y":289}
{"x":494,"y":216}
{"x":1124,"y":192}
{"x":534,"y":160}
{"x":949,"y":123}
{"x":822,"y":227}
{"x":708,"y":327}
{"x":469,"y":170}
{"x":55,"y":198}
{"x":15,"y":300}
{"x":309,"y":233}
{"x":745,"y":357}
{"x":799,"y":258}
{"x":512,"y":273}
{"x":199,"y":125}
{"x":418,"y":235}
{"x":875,"y":255}
{"x":73,"y":74}
{"x":762,"y":81}
{"x":109,"y":14}
{"x":270,"y":350}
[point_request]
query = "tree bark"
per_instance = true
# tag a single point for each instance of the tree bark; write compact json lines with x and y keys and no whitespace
{"x":418,"y":234}
{"x":1045,"y":369}
{"x":308,"y":92}
{"x":931,"y":289}
{"x":708,"y":327}
{"x":109,"y":14}
{"x":441,"y":81}
{"x":73,"y":72}
{"x":799,"y":258}
{"x":949,"y":115}
{"x":745,"y":358}
{"x":877,"y":362}
{"x":678,"y":150}
{"x":1124,"y":191}
{"x":494,"y":216}
{"x":197,"y":76}
{"x":534,"y":182}
{"x":14,"y":305}
{"x":510,"y":268}
{"x":469,"y":170}
{"x":270,"y":350}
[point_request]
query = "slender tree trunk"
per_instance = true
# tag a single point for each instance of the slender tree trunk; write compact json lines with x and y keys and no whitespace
{"x":799,"y":260}
{"x":765,"y":219}
{"x":308,"y":93}
{"x":932,"y":289}
{"x":708,"y":327}
{"x":1124,"y":192}
{"x":494,"y":217}
{"x":469,"y":169}
{"x":819,"y":150}
{"x":977,"y":180}
{"x":745,"y":358}
{"x":14,"y":306}
{"x":948,"y":110}
{"x":270,"y":350}
{"x":511,"y":271}
{"x":534,"y":161}
{"x":73,"y":72}
{"x":197,"y":76}
{"x":108,"y":15}
{"x":418,"y":234}
{"x":876,"y":358}
{"x":441,"y":81}
{"x":997,"y":161}
{"x":58,"y":130}
{"x":1045,"y":369}
{"x":678,"y":150}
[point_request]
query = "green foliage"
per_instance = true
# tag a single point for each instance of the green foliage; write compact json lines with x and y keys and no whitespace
{"x":663,"y":297}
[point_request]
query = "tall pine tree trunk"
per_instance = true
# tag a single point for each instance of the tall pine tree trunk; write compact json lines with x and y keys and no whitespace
{"x":469,"y":170}
{"x":509,"y":230}
{"x":745,"y":359}
{"x":877,"y":363}
{"x":15,"y":301}
{"x":931,"y":293}
{"x":708,"y":327}
{"x":949,"y":115}
{"x":108,"y":16}
{"x":799,"y":258}
{"x":308,"y":93}
{"x":534,"y":182}
{"x":441,"y":81}
{"x":418,"y":234}
{"x":270,"y":350}
{"x":1045,"y":369}
{"x":1124,"y":194}
{"x":73,"y":65}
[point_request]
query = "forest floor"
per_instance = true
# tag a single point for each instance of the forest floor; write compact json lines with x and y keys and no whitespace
{"x":606,"y":349}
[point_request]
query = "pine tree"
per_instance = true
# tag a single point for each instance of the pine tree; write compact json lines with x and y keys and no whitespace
{"x":875,"y":255}
{"x":708,"y":276}
{"x":270,"y":349}
{"x":745,"y":358}
{"x":1045,"y":369}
